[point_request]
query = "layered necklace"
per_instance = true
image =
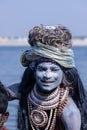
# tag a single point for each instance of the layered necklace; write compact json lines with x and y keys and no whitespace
{"x":43,"y":108}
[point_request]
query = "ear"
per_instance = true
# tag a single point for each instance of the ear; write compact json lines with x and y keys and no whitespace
{"x":5,"y":116}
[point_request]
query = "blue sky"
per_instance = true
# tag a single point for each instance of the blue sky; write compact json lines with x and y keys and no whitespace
{"x":18,"y":16}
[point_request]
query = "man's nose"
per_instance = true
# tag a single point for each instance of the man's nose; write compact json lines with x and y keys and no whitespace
{"x":48,"y":74}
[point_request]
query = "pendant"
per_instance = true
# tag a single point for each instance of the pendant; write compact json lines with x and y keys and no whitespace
{"x":39,"y":118}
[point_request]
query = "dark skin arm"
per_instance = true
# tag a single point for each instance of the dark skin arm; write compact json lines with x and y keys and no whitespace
{"x":71,"y":116}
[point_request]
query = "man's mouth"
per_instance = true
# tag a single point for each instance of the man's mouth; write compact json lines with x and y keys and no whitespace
{"x":47,"y":83}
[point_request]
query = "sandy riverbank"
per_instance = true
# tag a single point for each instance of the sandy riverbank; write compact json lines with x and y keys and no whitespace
{"x":23,"y":42}
{"x":13,"y":42}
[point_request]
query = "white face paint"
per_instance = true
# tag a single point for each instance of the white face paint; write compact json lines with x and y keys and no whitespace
{"x":48,"y":76}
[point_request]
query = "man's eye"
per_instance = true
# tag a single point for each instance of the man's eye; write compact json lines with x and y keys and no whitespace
{"x":42,"y":69}
{"x":54,"y":69}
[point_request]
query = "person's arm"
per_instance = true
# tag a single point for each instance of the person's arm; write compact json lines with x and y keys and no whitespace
{"x":13,"y":91}
{"x":71,"y":116}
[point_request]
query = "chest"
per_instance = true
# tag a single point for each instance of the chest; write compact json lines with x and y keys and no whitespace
{"x":44,"y":112}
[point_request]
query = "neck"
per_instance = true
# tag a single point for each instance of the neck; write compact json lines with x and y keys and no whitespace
{"x":44,"y":91}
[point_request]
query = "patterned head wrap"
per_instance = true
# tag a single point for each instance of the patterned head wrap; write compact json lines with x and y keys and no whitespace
{"x":52,"y":42}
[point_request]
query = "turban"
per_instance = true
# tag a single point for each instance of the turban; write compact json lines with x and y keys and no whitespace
{"x":53,"y":42}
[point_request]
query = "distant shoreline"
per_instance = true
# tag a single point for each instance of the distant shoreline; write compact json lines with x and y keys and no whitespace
{"x":23,"y":42}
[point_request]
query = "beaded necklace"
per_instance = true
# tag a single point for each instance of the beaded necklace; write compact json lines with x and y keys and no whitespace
{"x":41,"y":115}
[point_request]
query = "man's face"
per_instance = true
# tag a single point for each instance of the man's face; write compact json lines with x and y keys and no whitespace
{"x":48,"y":76}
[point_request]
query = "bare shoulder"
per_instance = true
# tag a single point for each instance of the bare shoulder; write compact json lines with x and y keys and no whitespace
{"x":70,"y":108}
{"x":71,"y":115}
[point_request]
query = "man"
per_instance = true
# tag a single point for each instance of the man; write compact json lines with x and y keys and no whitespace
{"x":51,"y":93}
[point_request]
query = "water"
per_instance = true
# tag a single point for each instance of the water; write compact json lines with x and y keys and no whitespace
{"x":11,"y":72}
{"x":81,"y":62}
{"x":11,"y":69}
